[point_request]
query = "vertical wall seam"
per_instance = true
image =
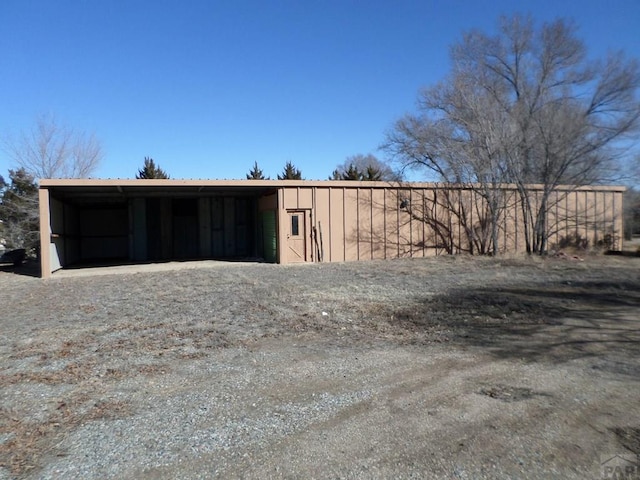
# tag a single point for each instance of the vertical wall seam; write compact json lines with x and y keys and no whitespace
{"x":504,"y":222}
{"x":397,"y":209}
{"x":567,"y":214}
{"x":314,"y":213}
{"x":586,"y":215}
{"x":411,"y":225}
{"x":384,"y":222}
{"x":371,"y":224}
{"x":556,"y":230}
{"x":344,"y":224}
{"x":358,"y":223}
{"x":330,"y":223}
{"x":424,"y":228}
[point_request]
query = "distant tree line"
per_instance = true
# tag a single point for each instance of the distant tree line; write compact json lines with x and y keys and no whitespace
{"x":357,"y":167}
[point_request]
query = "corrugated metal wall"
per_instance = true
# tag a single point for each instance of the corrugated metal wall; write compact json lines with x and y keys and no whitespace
{"x":181,"y":228}
{"x":361,"y":223}
{"x":86,"y":234}
{"x":342,"y":221}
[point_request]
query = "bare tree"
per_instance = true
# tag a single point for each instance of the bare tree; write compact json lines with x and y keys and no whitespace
{"x":53,"y":150}
{"x":458,"y":139}
{"x":523,"y":107}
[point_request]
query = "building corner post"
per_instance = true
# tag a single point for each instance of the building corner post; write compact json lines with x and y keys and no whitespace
{"x":45,"y":233}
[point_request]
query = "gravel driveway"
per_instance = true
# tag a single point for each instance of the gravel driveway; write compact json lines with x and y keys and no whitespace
{"x":448,"y":367}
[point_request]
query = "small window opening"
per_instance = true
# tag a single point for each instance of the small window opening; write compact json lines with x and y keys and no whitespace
{"x":295,"y":228}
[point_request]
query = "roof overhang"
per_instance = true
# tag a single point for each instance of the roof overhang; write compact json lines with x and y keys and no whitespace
{"x":114,"y":189}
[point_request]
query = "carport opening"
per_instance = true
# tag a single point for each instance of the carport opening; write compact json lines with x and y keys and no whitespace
{"x":185,"y":228}
{"x":125,"y":230}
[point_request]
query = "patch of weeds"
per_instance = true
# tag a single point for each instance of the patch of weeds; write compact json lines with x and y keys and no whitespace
{"x":27,"y":441}
{"x":70,"y":374}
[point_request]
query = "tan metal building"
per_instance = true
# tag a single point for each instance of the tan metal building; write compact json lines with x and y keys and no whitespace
{"x":137,"y":221}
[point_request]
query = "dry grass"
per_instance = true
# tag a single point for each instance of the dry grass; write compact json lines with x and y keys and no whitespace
{"x":85,"y":337}
{"x":31,"y":441}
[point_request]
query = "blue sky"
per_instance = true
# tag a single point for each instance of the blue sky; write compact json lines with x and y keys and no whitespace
{"x":206,"y":88}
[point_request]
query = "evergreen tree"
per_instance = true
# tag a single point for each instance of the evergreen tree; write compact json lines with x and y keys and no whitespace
{"x":371,"y":174}
{"x":364,"y":168}
{"x":351,"y":173}
{"x":255,"y":173}
{"x":290,"y":173}
{"x":19,"y":214}
{"x":151,"y":170}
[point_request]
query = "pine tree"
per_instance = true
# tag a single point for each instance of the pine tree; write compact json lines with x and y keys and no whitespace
{"x":335,"y":175}
{"x":364,"y":168}
{"x":372,"y":174}
{"x":290,"y":173}
{"x":255,"y":173}
{"x":352,"y":173}
{"x":151,"y":170}
{"x":19,"y":214}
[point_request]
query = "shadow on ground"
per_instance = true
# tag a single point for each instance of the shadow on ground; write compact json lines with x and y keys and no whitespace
{"x":556,"y":322}
{"x":29,"y":268}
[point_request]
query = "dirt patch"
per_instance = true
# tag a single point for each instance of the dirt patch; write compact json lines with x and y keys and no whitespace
{"x":374,"y":369}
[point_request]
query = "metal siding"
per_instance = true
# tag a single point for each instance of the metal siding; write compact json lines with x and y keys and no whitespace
{"x":104,"y":233}
{"x":364,"y":224}
{"x":322,"y":222}
{"x":166,"y":227}
{"x":390,"y":223}
{"x":350,"y":223}
{"x":512,"y":217}
{"x":269,"y":235}
{"x":204,"y":219}
{"x":217,"y":227}
{"x":378,"y":233}
{"x":282,"y":225}
{"x":229,"y":227}
{"x":242,"y":226}
{"x":305,"y":198}
{"x":139,"y":229}
{"x":58,"y":233}
{"x":154,"y":229}
{"x":404,"y":225}
{"x":359,"y":221}
{"x":336,"y":225}
{"x":48,"y":250}
{"x":618,"y":220}
{"x":290,"y":200}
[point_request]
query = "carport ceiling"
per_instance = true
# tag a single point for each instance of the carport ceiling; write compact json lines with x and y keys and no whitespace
{"x":81,"y":191}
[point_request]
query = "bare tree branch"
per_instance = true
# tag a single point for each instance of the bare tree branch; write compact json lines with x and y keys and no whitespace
{"x":52,"y":150}
{"x":523,"y":107}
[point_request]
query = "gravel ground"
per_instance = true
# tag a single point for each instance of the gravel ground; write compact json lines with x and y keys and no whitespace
{"x":449,"y":367}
